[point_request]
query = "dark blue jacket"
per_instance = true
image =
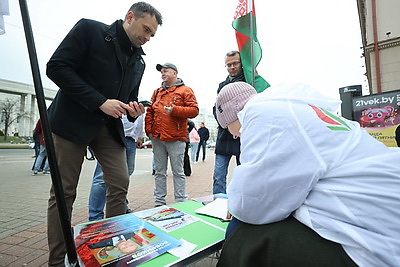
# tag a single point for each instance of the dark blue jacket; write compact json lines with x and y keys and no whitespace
{"x":225,"y":144}
{"x":94,"y":62}
{"x":204,"y":134}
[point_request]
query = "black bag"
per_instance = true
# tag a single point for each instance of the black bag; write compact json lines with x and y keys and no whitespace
{"x":186,"y":161}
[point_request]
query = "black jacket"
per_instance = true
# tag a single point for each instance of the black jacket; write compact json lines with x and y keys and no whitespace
{"x":225,"y":144}
{"x":94,"y":62}
{"x":204,"y":134}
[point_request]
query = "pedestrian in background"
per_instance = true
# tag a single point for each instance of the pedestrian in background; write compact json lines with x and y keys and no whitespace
{"x":98,"y":69}
{"x":42,"y":157}
{"x":166,"y":125}
{"x":204,"y":135}
{"x":194,"y":143}
{"x":226,"y":146}
{"x":97,"y":197}
{"x":36,"y":141}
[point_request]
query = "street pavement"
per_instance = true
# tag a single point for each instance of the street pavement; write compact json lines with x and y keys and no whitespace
{"x":23,"y":201}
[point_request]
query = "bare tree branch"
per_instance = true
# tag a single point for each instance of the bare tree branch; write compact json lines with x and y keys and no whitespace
{"x":10,"y":113}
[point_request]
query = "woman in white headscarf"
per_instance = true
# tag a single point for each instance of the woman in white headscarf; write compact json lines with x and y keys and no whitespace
{"x":313,"y":189}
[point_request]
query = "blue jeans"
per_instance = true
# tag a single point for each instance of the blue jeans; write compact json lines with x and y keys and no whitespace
{"x":39,"y":159}
{"x":97,"y":196}
{"x":220,"y":172}
{"x":193,"y":151}
{"x":232,"y":226}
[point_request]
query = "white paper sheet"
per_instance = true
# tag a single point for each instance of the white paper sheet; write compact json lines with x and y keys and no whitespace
{"x":217,"y":208}
{"x":183,"y":250}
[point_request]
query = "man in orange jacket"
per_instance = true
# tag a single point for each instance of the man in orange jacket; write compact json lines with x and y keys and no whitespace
{"x":166,"y":125}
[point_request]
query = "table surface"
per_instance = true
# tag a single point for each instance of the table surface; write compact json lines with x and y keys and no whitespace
{"x":207,"y":233}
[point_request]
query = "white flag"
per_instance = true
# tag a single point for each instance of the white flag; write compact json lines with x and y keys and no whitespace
{"x":4,"y":10}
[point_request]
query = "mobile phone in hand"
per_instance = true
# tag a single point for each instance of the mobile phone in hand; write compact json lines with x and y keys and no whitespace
{"x":145,"y":103}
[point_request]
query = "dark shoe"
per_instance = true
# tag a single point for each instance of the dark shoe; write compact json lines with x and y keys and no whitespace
{"x":128,"y":211}
{"x":154,"y":172}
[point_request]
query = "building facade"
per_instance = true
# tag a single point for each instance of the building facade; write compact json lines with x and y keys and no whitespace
{"x":379,"y":112}
{"x":26,"y":96}
{"x":380,"y":31}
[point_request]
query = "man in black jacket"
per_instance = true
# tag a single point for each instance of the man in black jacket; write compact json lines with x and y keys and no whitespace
{"x":204,"y":135}
{"x":226,"y":146}
{"x":98,"y":69}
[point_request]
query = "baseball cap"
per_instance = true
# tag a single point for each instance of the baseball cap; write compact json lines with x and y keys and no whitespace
{"x":167,"y":66}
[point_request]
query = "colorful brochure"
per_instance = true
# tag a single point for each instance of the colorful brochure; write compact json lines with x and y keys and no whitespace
{"x":166,"y":218}
{"x":120,"y":241}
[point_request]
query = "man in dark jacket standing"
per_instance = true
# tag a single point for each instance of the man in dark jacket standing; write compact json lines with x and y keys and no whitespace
{"x":98,"y":69}
{"x":226,"y":146}
{"x":204,"y":135}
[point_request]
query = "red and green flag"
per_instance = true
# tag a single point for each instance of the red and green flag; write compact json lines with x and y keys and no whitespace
{"x":244,"y":24}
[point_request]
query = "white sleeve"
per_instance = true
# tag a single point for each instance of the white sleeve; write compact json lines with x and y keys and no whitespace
{"x":139,"y":127}
{"x":278,"y":167}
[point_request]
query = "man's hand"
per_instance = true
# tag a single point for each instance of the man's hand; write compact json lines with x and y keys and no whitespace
{"x":139,"y":142}
{"x":114,"y":108}
{"x":169,"y":109}
{"x":135,"y":109}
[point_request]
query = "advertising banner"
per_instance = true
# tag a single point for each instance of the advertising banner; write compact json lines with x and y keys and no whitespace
{"x":379,"y":115}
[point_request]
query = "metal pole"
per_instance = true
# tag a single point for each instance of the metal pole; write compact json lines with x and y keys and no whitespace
{"x":252,"y":45}
{"x":55,"y":174}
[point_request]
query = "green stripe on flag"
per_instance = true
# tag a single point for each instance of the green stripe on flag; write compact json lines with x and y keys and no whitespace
{"x":242,"y":25}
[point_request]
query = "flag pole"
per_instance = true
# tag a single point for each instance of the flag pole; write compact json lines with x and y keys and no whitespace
{"x":55,"y":174}
{"x":252,"y":45}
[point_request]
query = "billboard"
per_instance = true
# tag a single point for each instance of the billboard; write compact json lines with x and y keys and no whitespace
{"x":379,"y":114}
{"x":346,"y":96}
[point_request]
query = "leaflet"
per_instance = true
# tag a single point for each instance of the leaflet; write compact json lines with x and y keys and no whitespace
{"x":120,"y":241}
{"x":166,"y":218}
{"x":217,"y":208}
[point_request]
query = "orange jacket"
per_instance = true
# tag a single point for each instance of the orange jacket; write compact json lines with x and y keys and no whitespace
{"x":171,"y":127}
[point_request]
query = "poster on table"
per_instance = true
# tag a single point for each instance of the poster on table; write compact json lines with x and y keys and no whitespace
{"x":379,"y":114}
{"x":120,"y":241}
{"x":166,"y":218}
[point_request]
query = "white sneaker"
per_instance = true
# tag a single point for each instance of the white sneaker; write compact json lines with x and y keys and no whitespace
{"x":34,"y":173}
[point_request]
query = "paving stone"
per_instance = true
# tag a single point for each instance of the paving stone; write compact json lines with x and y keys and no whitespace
{"x":7,"y":260}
